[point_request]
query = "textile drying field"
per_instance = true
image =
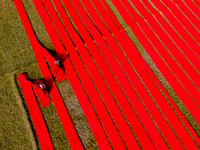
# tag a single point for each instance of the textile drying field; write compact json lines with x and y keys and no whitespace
{"x":16,"y":56}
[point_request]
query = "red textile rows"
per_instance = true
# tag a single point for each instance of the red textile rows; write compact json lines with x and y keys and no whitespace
{"x":147,"y":30}
{"x":60,"y":107}
{"x":106,"y":75}
{"x":36,"y":115}
{"x":99,"y":106}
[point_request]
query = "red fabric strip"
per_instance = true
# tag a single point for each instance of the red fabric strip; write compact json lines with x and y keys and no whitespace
{"x":127,"y":19}
{"x":167,"y":27}
{"x":189,"y":6}
{"x":150,"y":85}
{"x":139,"y":131}
{"x":34,"y":109}
{"x":171,"y":79}
{"x":180,"y":29}
{"x":105,"y":119}
{"x":189,"y":46}
{"x":122,"y":80}
{"x":60,"y":107}
{"x":176,"y":53}
{"x":96,"y":76}
{"x":197,"y":2}
{"x":162,"y":89}
{"x":109,"y":11}
{"x":84,"y":76}
{"x":185,"y":23}
{"x":176,"y":124}
{"x":182,"y":12}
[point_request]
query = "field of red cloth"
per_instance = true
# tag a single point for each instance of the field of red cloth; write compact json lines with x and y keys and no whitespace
{"x":123,"y":101}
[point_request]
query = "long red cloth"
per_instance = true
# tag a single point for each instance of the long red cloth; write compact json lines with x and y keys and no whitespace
{"x":172,"y":40}
{"x":134,"y":16}
{"x":163,"y":105}
{"x":177,"y":25}
{"x":179,"y":89}
{"x":167,"y":111}
{"x":97,"y":103}
{"x":161,"y":21}
{"x":60,"y":107}
{"x":105,"y":119}
{"x":172,"y":14}
{"x":197,"y":2}
{"x":178,"y":127}
{"x":157,"y":82}
{"x":195,"y":79}
{"x":182,"y":12}
{"x":94,"y":73}
{"x":188,"y":7}
{"x":36,"y":115}
{"x":128,"y":89}
{"x":173,"y":51}
{"x":185,"y":42}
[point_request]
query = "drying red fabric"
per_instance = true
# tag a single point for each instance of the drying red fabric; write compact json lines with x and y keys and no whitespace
{"x":182,"y":118}
{"x":130,"y":19}
{"x":43,"y":94}
{"x":182,"y":31}
{"x":182,"y":12}
{"x":162,"y":66}
{"x":60,"y":107}
{"x":57,"y":71}
{"x":155,"y":115}
{"x":87,"y":60}
{"x":197,"y":2}
{"x":128,"y":89}
{"x":185,"y":43}
{"x":36,"y":115}
{"x":86,"y":105}
{"x":101,"y":110}
{"x":93,"y":19}
{"x":178,"y":17}
{"x":164,"y":105}
{"x":159,"y":19}
{"x":173,"y":121}
{"x":188,"y":7}
{"x":188,"y":85}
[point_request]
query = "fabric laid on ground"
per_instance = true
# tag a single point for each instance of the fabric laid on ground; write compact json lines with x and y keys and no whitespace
{"x":140,"y":23}
{"x":118,"y":71}
{"x":176,"y":123}
{"x":125,"y":84}
{"x":87,"y":82}
{"x":155,"y":27}
{"x":177,"y":16}
{"x":118,"y":92}
{"x":160,"y":63}
{"x":172,"y":55}
{"x":100,"y":83}
{"x":179,"y":9}
{"x":166,"y":26}
{"x":36,"y":115}
{"x":58,"y":102}
{"x":188,"y":7}
{"x":197,"y":2}
{"x":125,"y":106}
